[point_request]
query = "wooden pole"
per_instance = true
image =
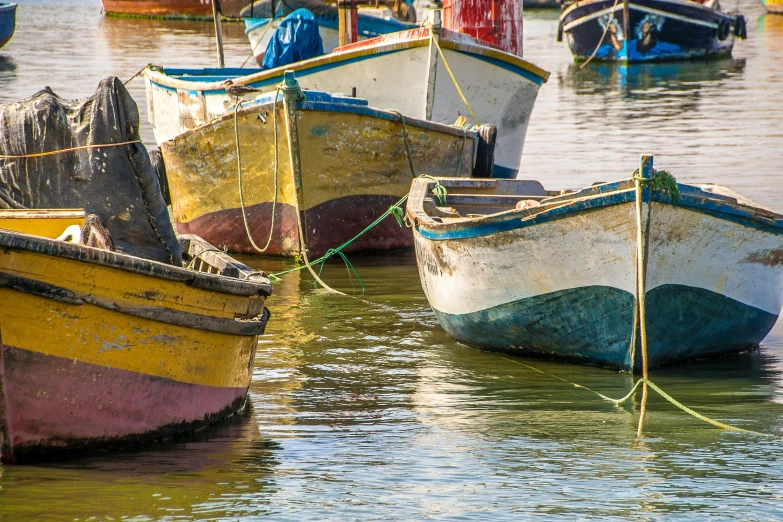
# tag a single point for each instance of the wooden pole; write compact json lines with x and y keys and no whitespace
{"x":626,"y":24}
{"x":348,"y":21}
{"x":218,"y":32}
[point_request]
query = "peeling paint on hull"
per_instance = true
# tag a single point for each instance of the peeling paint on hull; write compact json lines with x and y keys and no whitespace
{"x":354,"y":166}
{"x":559,"y":280}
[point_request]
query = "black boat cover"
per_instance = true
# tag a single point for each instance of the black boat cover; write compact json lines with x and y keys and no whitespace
{"x":117,"y":183}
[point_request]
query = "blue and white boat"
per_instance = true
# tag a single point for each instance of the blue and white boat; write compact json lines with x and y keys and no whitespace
{"x":7,"y":22}
{"x":644,"y":30}
{"x":509,"y":266}
{"x":261,"y":22}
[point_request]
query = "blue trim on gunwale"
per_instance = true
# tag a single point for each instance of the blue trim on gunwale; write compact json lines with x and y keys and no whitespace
{"x":706,"y":204}
{"x":213,"y":75}
{"x":322,"y":101}
{"x":504,"y":65}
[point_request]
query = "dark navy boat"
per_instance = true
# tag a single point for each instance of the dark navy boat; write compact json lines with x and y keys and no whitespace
{"x":645,"y":30}
{"x":7,"y":22}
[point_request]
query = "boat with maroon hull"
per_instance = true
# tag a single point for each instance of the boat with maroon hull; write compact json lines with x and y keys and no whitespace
{"x":646,"y":30}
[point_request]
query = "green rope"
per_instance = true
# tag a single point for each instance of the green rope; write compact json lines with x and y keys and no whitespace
{"x":393,"y":210}
{"x":663,"y":181}
{"x":438,"y":190}
{"x":329,"y":253}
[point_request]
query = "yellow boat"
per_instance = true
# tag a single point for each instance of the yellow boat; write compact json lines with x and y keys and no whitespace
{"x":320,"y":164}
{"x":101,"y":349}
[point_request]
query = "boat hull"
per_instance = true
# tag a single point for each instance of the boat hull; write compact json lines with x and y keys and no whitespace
{"x":501,"y":88}
{"x":562,"y":285}
{"x":658,"y":30}
{"x":190,"y":9}
{"x":354,"y":166}
{"x":103,"y":350}
{"x":773,"y":6}
{"x":7,"y":22}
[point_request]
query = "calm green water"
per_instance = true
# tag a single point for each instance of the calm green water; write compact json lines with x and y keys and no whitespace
{"x":363,"y":411}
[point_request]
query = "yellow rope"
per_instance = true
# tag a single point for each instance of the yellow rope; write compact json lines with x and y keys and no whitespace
{"x":239,"y":178}
{"x":630,"y":394}
{"x":641,"y":286}
{"x":453,"y":79}
{"x":53,"y":152}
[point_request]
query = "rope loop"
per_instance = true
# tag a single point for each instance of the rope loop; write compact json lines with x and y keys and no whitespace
{"x":663,"y":181}
{"x":438,"y":190}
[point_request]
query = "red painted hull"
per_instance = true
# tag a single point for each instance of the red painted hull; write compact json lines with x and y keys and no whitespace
{"x":328,"y":225}
{"x":172,"y":8}
{"x":53,"y":405}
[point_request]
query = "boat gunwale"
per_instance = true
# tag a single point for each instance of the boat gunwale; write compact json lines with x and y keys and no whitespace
{"x":8,"y":6}
{"x":564,"y":206}
{"x":371,"y":47}
{"x":684,"y":3}
{"x":10,"y":240}
{"x":333,"y":107}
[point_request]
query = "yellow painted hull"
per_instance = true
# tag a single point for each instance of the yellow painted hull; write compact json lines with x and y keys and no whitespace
{"x":354,"y":165}
{"x":105,"y":349}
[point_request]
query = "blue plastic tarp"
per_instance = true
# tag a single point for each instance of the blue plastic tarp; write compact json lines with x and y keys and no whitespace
{"x":296,"y":39}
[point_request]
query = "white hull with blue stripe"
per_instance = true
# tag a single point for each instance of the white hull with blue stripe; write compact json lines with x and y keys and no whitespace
{"x":558,"y":278}
{"x":401,"y":71}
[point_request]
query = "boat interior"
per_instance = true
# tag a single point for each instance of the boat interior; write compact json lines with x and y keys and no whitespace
{"x":474,"y":198}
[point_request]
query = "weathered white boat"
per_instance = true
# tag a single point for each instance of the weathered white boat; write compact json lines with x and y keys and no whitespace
{"x":508,"y":266}
{"x":403,"y":71}
{"x":297,"y":170}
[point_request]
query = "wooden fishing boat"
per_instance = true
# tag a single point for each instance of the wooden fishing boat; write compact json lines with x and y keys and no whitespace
{"x":259,"y":30}
{"x":190,"y":9}
{"x":773,"y":6}
{"x":338,"y":161}
{"x":643,"y":30}
{"x":102,"y":349}
{"x":7,"y":22}
{"x":509,"y":266}
{"x":402,"y":70}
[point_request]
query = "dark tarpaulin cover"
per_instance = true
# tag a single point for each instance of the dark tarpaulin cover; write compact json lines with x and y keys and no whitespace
{"x":117,"y":184}
{"x":295,"y":40}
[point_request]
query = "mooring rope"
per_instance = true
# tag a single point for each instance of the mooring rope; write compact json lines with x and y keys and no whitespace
{"x":126,"y":82}
{"x":453,"y":79}
{"x":641,"y":283}
{"x":405,"y":141}
{"x":71,"y":149}
{"x":239,"y":177}
{"x":629,"y":395}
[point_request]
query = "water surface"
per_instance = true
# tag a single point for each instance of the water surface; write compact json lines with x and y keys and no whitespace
{"x":370,"y":411}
